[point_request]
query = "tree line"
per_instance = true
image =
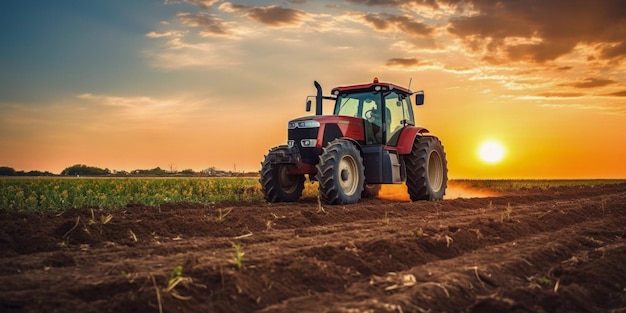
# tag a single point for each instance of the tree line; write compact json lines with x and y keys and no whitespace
{"x":85,"y":170}
{"x":9,"y":171}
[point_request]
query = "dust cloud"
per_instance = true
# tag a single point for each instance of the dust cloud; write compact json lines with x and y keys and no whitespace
{"x":455,"y":190}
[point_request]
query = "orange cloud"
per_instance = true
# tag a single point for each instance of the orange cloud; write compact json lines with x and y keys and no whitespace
{"x":554,"y":28}
{"x":399,"y":23}
{"x":561,"y":94}
{"x":618,"y":94}
{"x":269,"y":15}
{"x":402,"y":62}
{"x":396,"y":3}
{"x":590,"y":83}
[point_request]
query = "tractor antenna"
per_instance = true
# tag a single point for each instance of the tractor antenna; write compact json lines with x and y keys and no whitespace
{"x":410,"y":80}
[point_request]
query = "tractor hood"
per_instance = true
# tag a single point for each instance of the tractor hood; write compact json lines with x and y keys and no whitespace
{"x":329,"y":127}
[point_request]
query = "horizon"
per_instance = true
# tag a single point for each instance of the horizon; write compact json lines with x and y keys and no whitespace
{"x":513,"y":91}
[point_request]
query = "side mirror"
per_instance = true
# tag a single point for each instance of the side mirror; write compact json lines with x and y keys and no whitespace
{"x":419,"y":98}
{"x":308,"y":105}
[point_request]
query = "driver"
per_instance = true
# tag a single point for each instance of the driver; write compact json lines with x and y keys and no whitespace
{"x":375,"y":117}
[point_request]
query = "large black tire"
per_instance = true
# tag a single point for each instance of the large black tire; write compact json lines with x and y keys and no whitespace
{"x":370,"y":191}
{"x":277,"y":184}
{"x":426,"y":169}
{"x":340,"y":173}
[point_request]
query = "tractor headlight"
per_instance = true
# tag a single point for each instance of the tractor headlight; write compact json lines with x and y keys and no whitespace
{"x":308,"y":124}
{"x":303,"y":124}
{"x":308,"y":143}
{"x":290,"y":143}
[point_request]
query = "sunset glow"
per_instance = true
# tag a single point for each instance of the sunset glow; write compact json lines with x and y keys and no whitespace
{"x":193,"y":84}
{"x":491,"y":152}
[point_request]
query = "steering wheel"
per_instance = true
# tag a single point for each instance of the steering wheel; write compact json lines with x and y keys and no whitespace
{"x":368,"y":114}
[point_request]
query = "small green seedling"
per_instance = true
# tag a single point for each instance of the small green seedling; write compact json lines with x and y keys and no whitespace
{"x":128,"y":277}
{"x":418,"y":233}
{"x":237,"y":259}
{"x":104,"y":219}
{"x":176,"y":277}
{"x":386,"y":219}
{"x":320,"y":208}
{"x":506,"y":215}
{"x":222,"y":213}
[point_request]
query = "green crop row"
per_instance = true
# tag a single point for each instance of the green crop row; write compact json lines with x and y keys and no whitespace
{"x":43,"y":194}
{"x":57,"y":194}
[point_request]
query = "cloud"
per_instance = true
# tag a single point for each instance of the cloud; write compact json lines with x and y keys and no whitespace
{"x":402,"y":62}
{"x":540,"y":31}
{"x":617,"y":94}
{"x":169,"y":34}
{"x":614,"y":51}
{"x":118,"y":109}
{"x":140,"y":107}
{"x":210,"y":24}
{"x":272,"y":15}
{"x":196,"y":55}
{"x":590,"y":83}
{"x":398,"y":23}
{"x":204,"y":4}
{"x":396,"y":3}
{"x":561,"y":94}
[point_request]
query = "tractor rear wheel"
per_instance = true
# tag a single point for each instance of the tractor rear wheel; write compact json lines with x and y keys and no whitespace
{"x":277,"y":184}
{"x":340,"y":173}
{"x":427,"y":169}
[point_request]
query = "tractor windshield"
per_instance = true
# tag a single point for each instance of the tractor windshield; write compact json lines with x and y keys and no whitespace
{"x":357,"y":104}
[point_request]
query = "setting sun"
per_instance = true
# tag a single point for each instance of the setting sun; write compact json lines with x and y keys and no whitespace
{"x":491,"y":152}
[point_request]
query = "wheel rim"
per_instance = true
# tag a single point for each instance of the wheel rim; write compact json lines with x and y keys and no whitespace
{"x":288,"y":182}
{"x":435,"y":171}
{"x":348,"y":175}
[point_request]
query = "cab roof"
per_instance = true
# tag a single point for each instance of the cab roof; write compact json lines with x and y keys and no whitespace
{"x":370,"y":86}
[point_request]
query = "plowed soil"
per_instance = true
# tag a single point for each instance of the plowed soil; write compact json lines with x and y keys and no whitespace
{"x":555,"y":250}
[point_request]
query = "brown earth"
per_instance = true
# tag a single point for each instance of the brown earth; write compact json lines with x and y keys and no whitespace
{"x":556,"y":250}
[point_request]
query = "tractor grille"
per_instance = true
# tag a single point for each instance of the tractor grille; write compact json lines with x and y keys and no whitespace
{"x":309,"y":155}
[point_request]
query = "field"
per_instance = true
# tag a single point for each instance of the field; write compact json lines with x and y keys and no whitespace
{"x":492,"y":246}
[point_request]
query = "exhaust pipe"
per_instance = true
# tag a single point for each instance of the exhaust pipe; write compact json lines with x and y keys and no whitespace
{"x":318,"y":98}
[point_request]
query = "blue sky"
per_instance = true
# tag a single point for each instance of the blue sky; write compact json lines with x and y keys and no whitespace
{"x":72,"y":46}
{"x":200,"y":83}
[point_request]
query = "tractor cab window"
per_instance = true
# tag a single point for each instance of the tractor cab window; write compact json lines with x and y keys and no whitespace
{"x":365,"y":105}
{"x":408,"y":111}
{"x":399,"y":115}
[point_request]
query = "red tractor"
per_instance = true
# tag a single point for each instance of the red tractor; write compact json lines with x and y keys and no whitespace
{"x":371,"y":139}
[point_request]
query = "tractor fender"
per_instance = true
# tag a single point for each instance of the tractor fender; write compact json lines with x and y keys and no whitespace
{"x":407,"y":137}
{"x":356,"y":143}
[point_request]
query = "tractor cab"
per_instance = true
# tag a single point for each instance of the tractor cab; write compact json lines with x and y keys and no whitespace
{"x":385,"y":109}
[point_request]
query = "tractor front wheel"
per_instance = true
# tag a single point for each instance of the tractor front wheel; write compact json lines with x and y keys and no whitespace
{"x":427,"y":169}
{"x":277,"y":184}
{"x":340,"y":173}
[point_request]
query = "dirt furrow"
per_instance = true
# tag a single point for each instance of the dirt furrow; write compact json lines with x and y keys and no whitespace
{"x":541,"y":251}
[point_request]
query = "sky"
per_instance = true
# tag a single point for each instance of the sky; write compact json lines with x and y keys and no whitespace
{"x":193,"y":84}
